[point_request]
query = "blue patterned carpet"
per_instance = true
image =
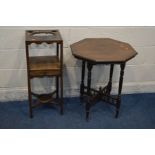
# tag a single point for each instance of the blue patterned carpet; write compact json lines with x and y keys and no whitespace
{"x":137,"y":112}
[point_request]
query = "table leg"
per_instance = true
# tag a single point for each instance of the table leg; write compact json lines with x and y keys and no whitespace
{"x":82,"y":80}
{"x":29,"y":83}
{"x":61,"y":94}
{"x":122,"y":66}
{"x":61,"y":82}
{"x":89,"y":67}
{"x":57,"y":77}
{"x":110,"y":79}
{"x":57,"y":86}
{"x":30,"y":98}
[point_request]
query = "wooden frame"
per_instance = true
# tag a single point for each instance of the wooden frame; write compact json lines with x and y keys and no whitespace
{"x":105,"y":51}
{"x":42,"y":66}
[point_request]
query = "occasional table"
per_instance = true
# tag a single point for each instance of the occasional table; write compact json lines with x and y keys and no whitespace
{"x":106,"y":51}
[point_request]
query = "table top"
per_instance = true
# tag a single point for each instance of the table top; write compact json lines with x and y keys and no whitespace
{"x":40,"y":36}
{"x":103,"y":50}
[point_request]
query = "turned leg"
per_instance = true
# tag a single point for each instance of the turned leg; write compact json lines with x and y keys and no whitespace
{"x":89,"y":67}
{"x":122,"y":66}
{"x":82,"y":80}
{"x":110,"y":79}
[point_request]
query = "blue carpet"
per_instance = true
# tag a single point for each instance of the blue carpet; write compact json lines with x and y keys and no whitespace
{"x":137,"y":112}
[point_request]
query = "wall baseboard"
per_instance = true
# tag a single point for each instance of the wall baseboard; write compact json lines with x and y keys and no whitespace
{"x":19,"y":94}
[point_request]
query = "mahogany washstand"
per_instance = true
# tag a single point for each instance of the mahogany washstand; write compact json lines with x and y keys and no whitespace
{"x":45,"y":66}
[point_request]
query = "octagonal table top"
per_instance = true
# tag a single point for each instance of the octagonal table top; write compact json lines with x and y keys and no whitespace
{"x":103,"y":50}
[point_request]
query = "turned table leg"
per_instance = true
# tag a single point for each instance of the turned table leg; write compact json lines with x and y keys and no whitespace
{"x":110,"y":79}
{"x":82,"y":80}
{"x":89,"y":67}
{"x":122,"y":66}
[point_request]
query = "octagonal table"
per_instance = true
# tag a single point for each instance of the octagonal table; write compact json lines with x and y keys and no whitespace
{"x":93,"y":51}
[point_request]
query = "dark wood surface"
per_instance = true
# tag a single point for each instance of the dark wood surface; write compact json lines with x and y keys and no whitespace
{"x":93,"y":51}
{"x":44,"y":66}
{"x":103,"y":50}
{"x":39,"y":36}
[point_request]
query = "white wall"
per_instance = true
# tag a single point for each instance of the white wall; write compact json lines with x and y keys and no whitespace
{"x":139,"y":74}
